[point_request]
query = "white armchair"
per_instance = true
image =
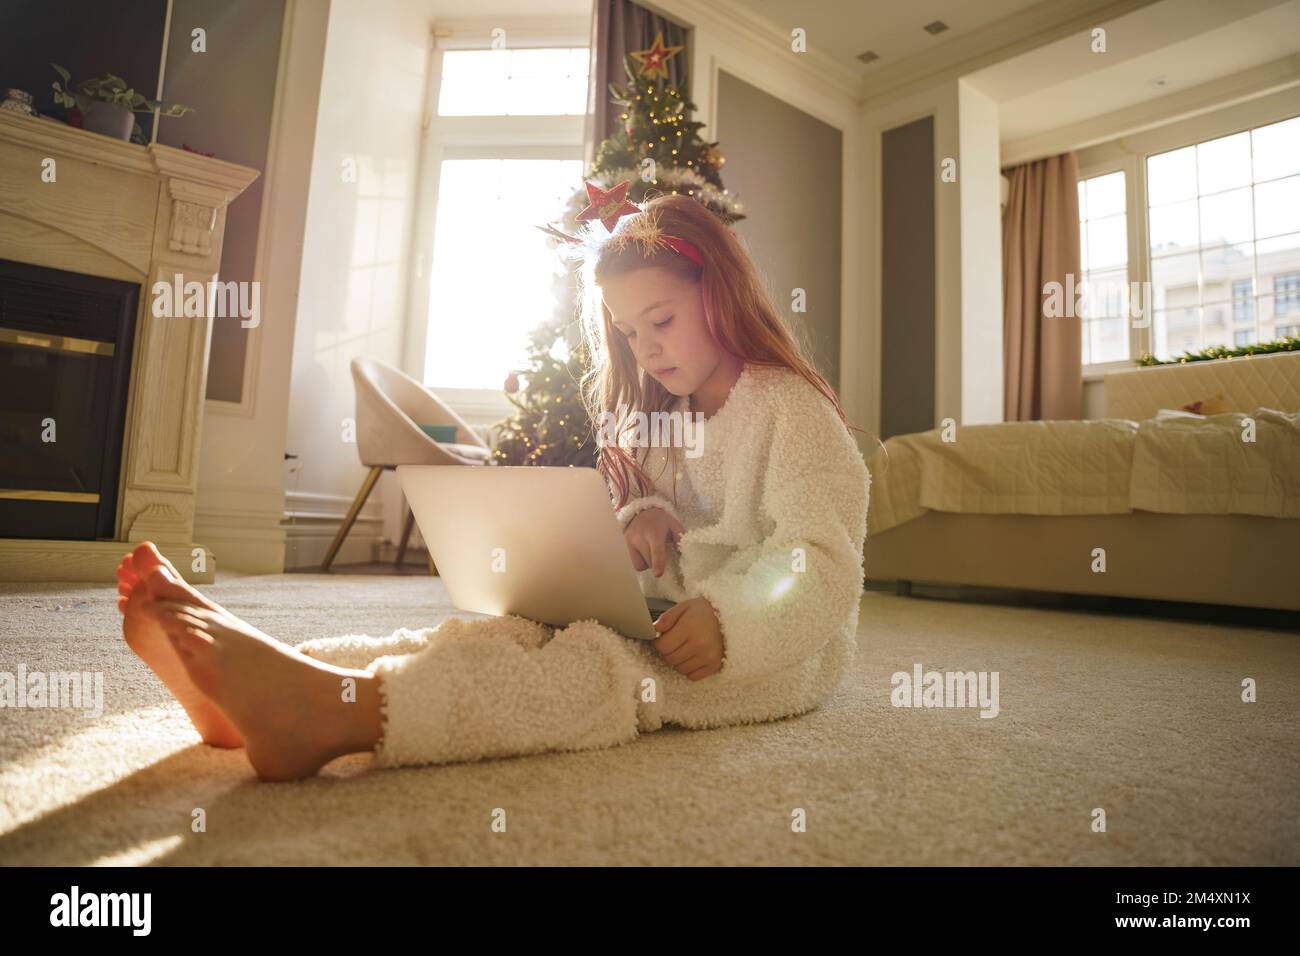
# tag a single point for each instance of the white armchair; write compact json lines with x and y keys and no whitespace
{"x":391,"y":407}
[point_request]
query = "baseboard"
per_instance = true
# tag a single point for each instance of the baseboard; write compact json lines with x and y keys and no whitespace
{"x":266,"y":531}
{"x":305,"y":547}
{"x":311,"y":520}
{"x":250,"y":549}
{"x":241,"y":525}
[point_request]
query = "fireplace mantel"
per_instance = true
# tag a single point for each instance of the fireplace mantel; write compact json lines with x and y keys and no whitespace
{"x":143,"y":214}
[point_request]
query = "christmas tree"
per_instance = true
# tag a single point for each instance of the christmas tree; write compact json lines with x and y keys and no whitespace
{"x":659,"y":150}
{"x":550,"y":425}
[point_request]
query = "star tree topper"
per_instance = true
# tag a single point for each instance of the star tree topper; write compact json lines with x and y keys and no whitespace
{"x":654,"y":60}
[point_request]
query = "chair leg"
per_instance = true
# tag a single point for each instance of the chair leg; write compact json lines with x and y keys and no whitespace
{"x":366,"y":487}
{"x":406,"y":536}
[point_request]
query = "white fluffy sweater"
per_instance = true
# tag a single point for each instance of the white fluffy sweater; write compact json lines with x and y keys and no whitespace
{"x":775,"y":512}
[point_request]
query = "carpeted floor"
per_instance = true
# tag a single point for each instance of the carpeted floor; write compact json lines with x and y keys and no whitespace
{"x":1138,"y":715}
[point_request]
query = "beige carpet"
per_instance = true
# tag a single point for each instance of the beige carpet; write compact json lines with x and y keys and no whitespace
{"x":1135,"y":714}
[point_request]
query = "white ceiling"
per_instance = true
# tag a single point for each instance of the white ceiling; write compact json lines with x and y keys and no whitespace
{"x":1187,"y":42}
{"x":836,"y":29}
{"x":839,"y":28}
{"x":892,"y":28}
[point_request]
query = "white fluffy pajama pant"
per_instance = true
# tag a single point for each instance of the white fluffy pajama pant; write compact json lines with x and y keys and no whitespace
{"x":471,"y":689}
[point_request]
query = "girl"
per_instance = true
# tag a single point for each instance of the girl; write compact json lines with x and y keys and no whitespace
{"x":756,"y":531}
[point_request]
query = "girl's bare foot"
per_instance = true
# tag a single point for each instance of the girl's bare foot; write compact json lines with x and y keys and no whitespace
{"x":145,"y":635}
{"x":295,"y":714}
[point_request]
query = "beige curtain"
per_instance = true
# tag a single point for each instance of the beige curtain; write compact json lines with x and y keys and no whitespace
{"x":1043,"y":356}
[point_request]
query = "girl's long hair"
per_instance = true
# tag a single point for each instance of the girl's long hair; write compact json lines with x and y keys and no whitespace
{"x":738,"y":309}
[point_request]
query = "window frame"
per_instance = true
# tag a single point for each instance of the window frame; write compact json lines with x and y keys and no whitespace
{"x":1135,"y":233}
{"x":1130,"y":153}
{"x":1288,"y":294}
{"x":555,"y":136}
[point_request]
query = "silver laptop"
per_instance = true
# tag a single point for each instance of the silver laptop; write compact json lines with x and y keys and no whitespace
{"x":540,"y":543}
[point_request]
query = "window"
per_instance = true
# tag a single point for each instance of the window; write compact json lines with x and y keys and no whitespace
{"x":515,"y":82}
{"x":1103,"y":245}
{"x":1224,"y":223}
{"x":479,"y":320}
{"x":506,"y":152}
{"x":1286,"y":294}
{"x":1243,"y":305}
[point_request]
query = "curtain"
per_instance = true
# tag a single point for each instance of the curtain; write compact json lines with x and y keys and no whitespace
{"x":617,"y":28}
{"x":1043,"y":355}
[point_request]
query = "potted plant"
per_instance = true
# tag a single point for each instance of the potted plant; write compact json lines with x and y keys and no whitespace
{"x":107,"y":104}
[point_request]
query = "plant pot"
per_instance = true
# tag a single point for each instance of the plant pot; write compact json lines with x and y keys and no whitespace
{"x":108,"y":119}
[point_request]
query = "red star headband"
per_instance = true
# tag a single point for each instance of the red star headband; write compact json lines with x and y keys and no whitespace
{"x":609,"y":206}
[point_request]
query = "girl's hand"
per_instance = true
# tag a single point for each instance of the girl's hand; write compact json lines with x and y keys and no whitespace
{"x":691,"y":641}
{"x":648,"y":535}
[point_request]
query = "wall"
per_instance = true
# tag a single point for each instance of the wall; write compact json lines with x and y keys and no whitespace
{"x":354,"y":263}
{"x":240,"y":501}
{"x":794,"y":235}
{"x":231,"y":87}
{"x":980,"y":180}
{"x":967,"y":250}
{"x":89,"y":40}
{"x":907,"y":273}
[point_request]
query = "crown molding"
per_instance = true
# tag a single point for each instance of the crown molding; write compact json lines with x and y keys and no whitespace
{"x":1018,"y":33}
{"x":1203,"y":98}
{"x":735,"y":24}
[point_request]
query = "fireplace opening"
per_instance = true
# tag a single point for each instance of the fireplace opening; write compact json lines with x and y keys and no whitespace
{"x":65,"y":363}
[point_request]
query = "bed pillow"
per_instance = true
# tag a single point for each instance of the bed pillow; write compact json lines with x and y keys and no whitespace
{"x":1214,"y":405}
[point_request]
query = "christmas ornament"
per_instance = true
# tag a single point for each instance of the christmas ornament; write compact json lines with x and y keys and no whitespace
{"x":654,"y":60}
{"x":607,"y":205}
{"x":642,"y":227}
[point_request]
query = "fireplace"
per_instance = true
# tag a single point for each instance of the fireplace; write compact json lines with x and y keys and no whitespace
{"x":101,"y":399}
{"x":65,"y":359}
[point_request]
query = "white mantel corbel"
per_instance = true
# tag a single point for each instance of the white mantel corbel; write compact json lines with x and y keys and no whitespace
{"x":194,"y":218}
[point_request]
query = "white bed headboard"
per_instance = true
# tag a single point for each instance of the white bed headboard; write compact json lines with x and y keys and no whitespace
{"x":1247,"y":383}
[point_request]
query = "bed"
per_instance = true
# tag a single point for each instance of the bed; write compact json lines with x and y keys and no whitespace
{"x":1140,"y":504}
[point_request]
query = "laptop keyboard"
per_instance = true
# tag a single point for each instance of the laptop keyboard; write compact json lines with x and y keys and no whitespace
{"x":657,"y":606}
